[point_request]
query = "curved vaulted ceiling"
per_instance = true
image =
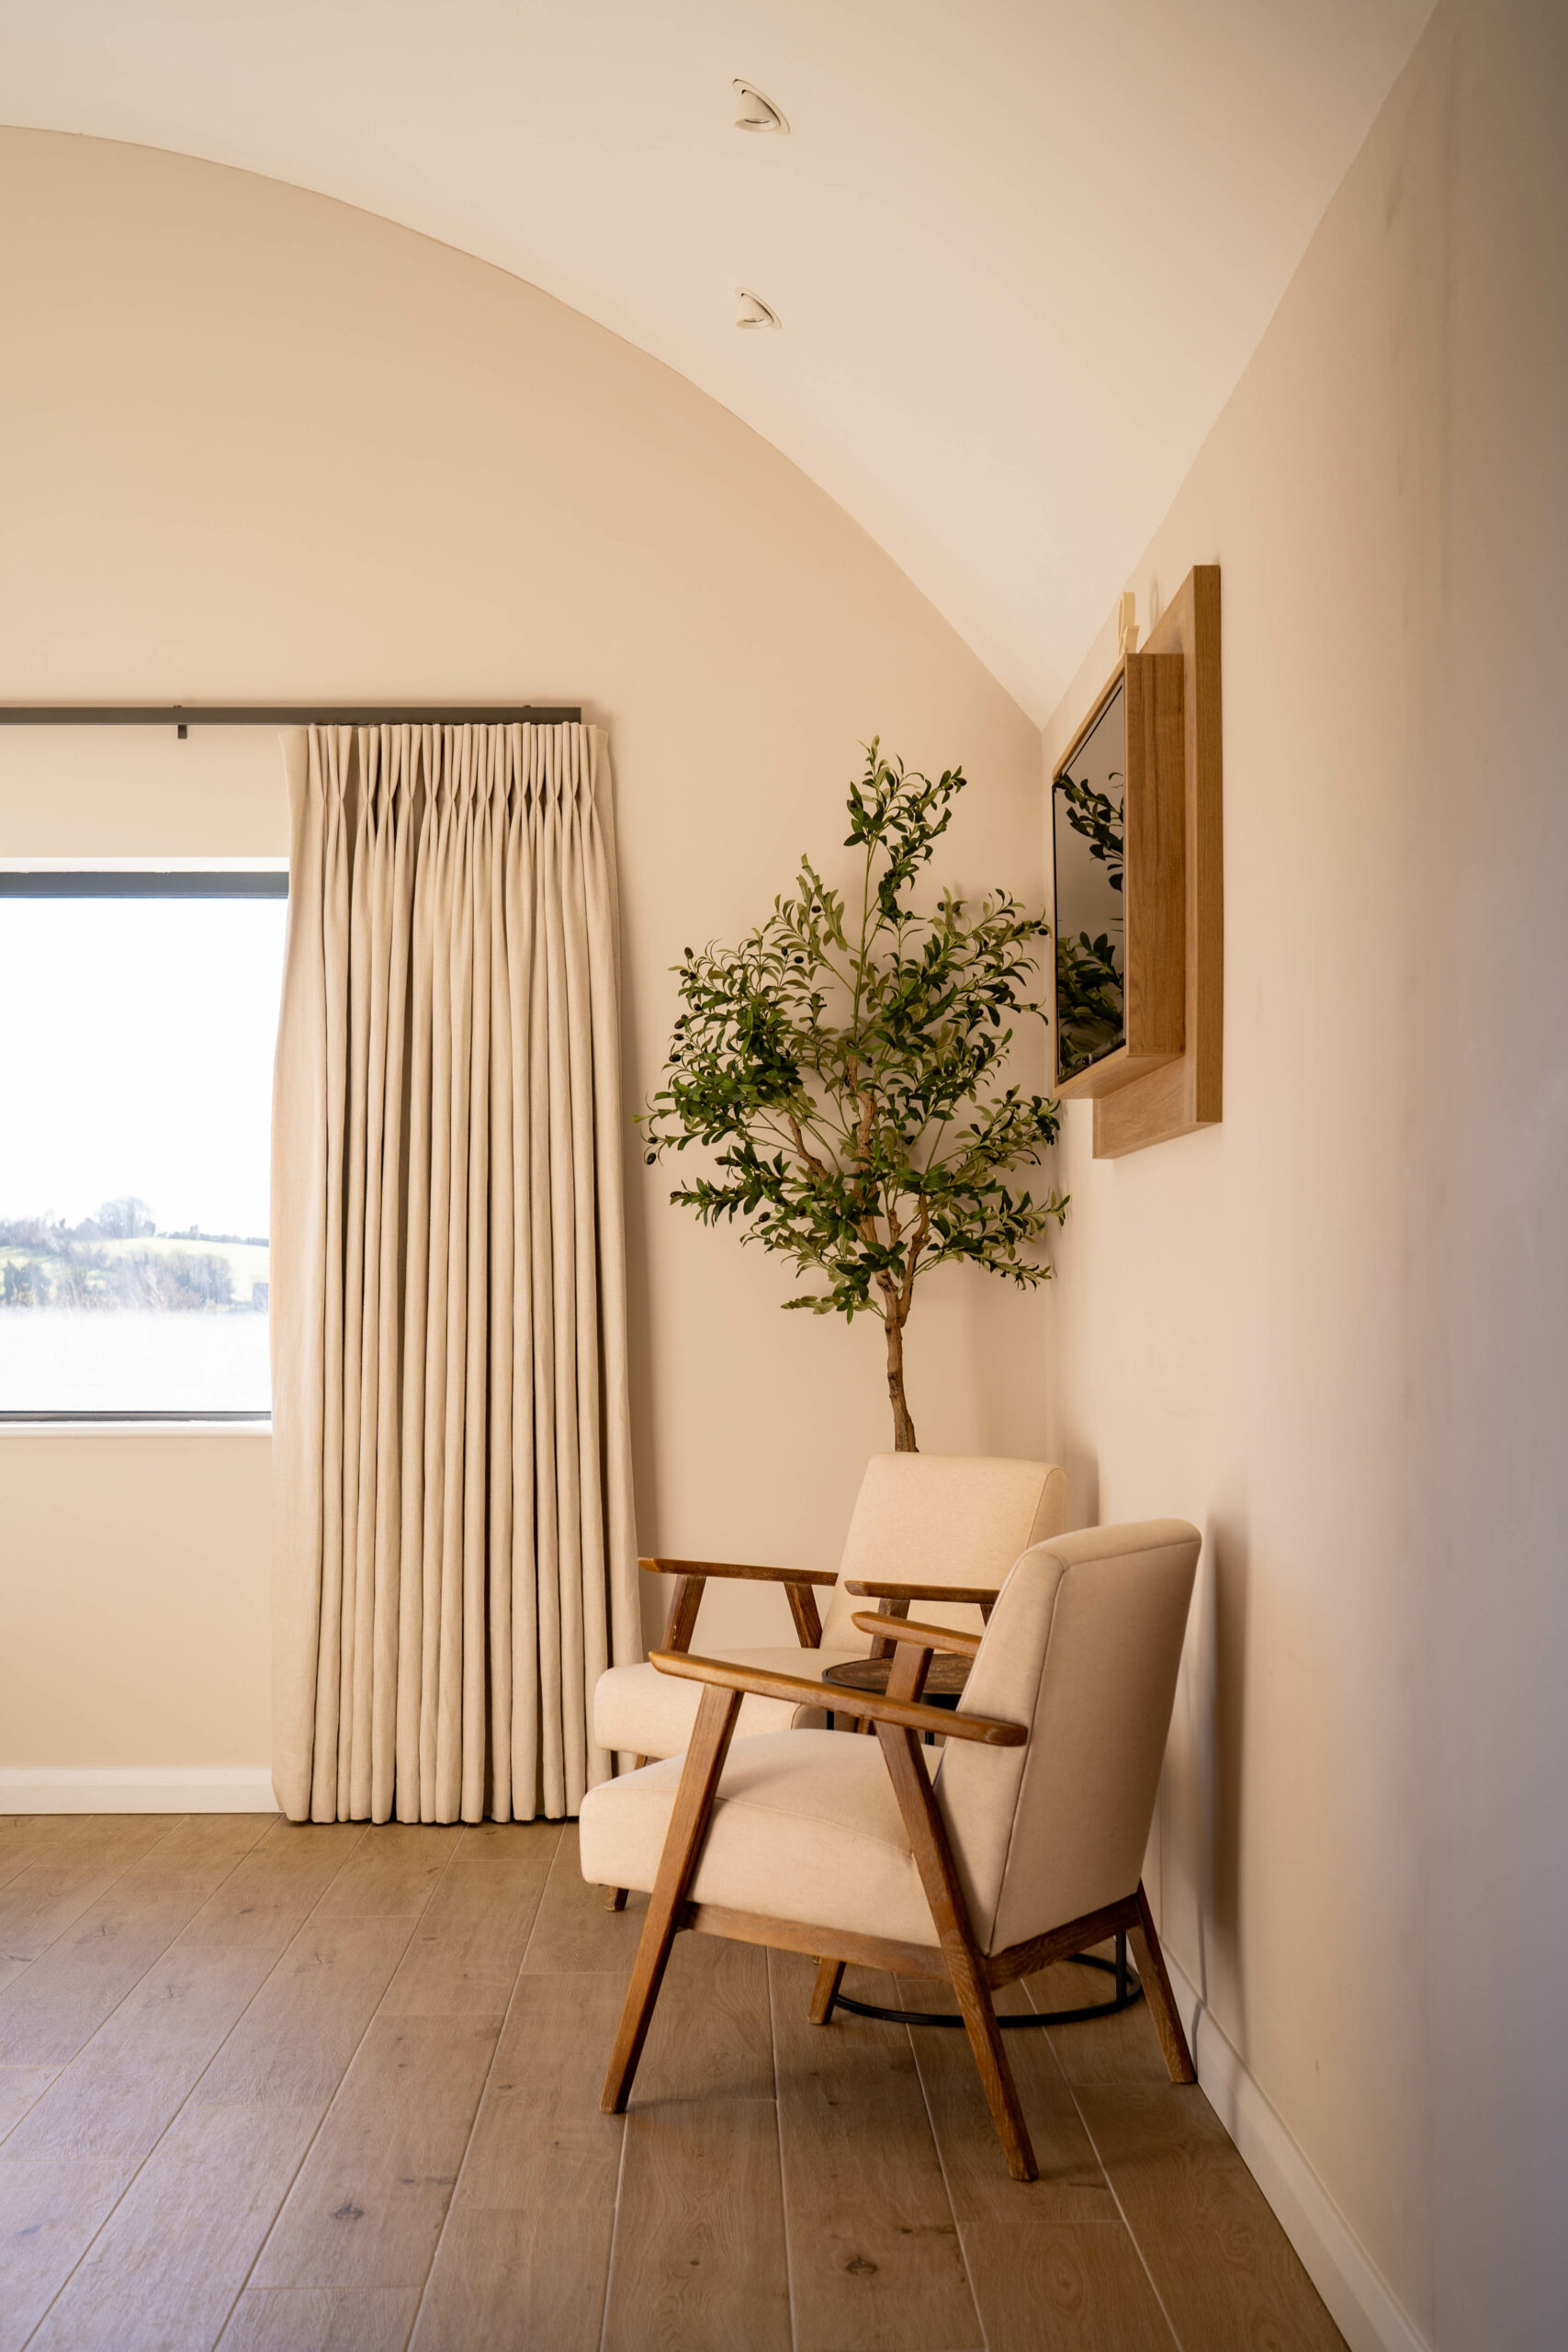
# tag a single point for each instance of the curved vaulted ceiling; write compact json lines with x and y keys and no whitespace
{"x":1020,"y":250}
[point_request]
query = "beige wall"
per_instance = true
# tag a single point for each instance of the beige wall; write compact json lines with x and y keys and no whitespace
{"x":258,"y":446}
{"x":1334,"y":1330}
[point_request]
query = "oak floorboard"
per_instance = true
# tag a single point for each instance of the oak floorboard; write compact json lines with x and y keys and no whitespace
{"x":469,"y":1946}
{"x":1225,"y":2271}
{"x":164,"y":2271}
{"x":326,"y":2319}
{"x":367,"y":2207}
{"x":47,"y":1896}
{"x":874,"y":2259}
{"x":1071,"y":2187}
{"x":55,"y":2006}
{"x":1052,"y":2265}
{"x":121,"y":2092}
{"x":1121,"y":2049}
{"x":20,"y":2088}
{"x":573,"y":1934}
{"x":523,"y":2256}
{"x":50,"y":2209}
{"x":273,"y":1890}
{"x":295,"y":2039}
{"x":392,"y":1873}
{"x":698,"y":2263}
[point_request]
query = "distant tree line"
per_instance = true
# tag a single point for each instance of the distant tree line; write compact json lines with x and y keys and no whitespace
{"x":67,"y":1266}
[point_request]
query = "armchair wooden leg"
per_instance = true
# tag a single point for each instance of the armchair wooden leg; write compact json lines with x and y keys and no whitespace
{"x":1159,"y":1995}
{"x":966,"y":1966}
{"x":682,"y":1846}
{"x":825,"y":1992}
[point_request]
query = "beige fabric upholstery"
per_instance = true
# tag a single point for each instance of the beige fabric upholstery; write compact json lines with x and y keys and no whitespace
{"x":1083,"y":1646}
{"x":926,"y":1518}
{"x":652,"y":1713}
{"x":941,"y":1519}
{"x":455,"y":1559}
{"x":806,"y":1828}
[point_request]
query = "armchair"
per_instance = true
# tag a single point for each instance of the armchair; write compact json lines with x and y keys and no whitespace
{"x":925,"y":1526}
{"x":1019,"y":1843}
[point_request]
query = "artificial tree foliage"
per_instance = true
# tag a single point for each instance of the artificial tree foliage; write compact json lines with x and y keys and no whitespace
{"x":842,"y":1064}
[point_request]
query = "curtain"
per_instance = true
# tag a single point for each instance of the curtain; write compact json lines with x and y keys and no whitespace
{"x":455,"y":1558}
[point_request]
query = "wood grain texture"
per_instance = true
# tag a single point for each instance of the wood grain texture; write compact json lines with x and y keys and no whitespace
{"x":740,"y":1568}
{"x":526,"y":2253}
{"x":120,"y":2095}
{"x":309,"y":2105}
{"x":1224,"y":2269}
{"x":1052,"y":2266}
{"x":163,"y":2273}
{"x":698,"y":2261}
{"x":321,"y":2319}
{"x":943,"y":1891}
{"x":367,"y":2207}
{"x":874,"y":2251}
{"x":573,"y":1934}
{"x":1188,"y":1093}
{"x":711,"y":1734}
{"x":719,"y":1674}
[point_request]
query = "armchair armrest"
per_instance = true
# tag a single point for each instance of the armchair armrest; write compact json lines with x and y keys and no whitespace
{"x":734,"y":1568}
{"x":983,"y":1596}
{"x":690,"y":1575}
{"x":929,"y":1637}
{"x":907,"y":1713}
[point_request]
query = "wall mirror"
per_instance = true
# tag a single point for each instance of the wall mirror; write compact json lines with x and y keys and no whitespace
{"x":1116,"y":831}
{"x":1089,"y":819}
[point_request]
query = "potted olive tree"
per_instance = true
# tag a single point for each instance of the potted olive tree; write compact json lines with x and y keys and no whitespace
{"x":843,"y":1065}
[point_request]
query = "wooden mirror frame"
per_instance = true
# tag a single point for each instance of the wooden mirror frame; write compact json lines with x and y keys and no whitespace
{"x":1183,"y":1095}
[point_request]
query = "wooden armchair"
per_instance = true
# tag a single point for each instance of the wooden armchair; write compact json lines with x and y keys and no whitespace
{"x":927,"y":1527}
{"x":1022,"y":1846}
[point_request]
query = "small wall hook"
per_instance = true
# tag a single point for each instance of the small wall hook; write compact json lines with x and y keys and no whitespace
{"x":1126,"y":626}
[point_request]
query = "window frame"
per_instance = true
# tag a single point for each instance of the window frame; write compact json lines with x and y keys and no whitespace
{"x":186,"y":880}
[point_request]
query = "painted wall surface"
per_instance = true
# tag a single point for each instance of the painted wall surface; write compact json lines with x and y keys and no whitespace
{"x":260,"y":447}
{"x":1334,"y":1331}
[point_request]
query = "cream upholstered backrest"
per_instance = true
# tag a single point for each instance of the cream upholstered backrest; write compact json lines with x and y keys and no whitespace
{"x":941,"y":1518}
{"x":1084,"y":1646}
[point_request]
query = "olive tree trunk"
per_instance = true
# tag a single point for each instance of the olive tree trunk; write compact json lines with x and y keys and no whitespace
{"x":904,"y":1438}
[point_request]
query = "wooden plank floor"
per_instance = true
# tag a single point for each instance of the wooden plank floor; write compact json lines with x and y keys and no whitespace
{"x":335,"y":2089}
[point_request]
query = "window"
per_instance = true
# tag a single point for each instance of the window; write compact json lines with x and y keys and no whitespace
{"x":140,"y":1011}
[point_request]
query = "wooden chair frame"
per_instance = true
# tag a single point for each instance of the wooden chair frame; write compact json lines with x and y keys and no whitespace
{"x":899,"y":1720}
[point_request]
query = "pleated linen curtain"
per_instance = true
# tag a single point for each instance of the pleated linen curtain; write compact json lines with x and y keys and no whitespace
{"x":455,"y":1558}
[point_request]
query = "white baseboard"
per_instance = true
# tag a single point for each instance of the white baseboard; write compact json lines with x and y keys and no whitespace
{"x":138,"y":1788}
{"x":1363,"y":2306}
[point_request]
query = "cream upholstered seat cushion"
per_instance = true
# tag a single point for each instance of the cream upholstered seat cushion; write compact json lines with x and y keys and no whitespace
{"x":636,"y":1707}
{"x":806,"y":1827}
{"x":919,"y":1518}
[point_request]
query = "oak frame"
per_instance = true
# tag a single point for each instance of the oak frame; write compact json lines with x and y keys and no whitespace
{"x":898,"y":1720}
{"x":1188,"y":1093}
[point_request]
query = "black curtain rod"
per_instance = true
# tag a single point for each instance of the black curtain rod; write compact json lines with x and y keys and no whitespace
{"x":182,"y":715}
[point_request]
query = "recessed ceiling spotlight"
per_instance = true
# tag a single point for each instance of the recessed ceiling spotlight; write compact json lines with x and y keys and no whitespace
{"x":754,"y":311}
{"x":754,"y":112}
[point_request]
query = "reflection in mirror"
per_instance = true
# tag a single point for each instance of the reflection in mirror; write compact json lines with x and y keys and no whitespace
{"x":1089,"y":829}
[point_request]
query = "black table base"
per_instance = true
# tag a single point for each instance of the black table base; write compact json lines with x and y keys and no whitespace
{"x":1128,"y":1990}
